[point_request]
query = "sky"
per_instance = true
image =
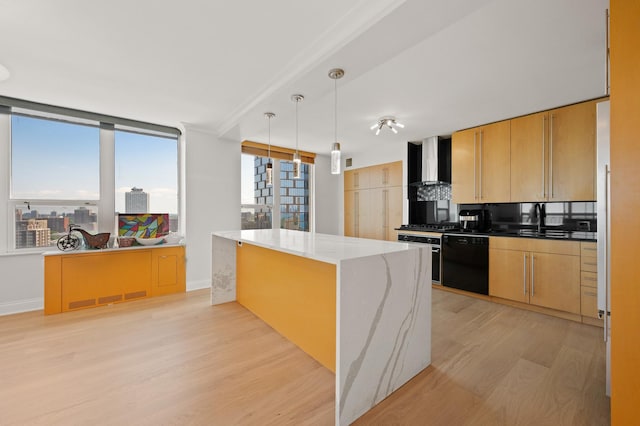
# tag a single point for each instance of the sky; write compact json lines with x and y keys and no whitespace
{"x":54,"y":160}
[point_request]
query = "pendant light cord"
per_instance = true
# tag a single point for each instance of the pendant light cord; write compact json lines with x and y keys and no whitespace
{"x":269,"y":151}
{"x":335,"y":109}
{"x":297,"y":101}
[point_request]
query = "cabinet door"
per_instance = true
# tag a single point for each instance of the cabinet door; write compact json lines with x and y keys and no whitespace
{"x":463,"y":167}
{"x":508,"y":274}
{"x":356,"y":179}
{"x":167,"y":271}
{"x":529,"y":153}
{"x":555,"y":281}
{"x":357,"y":214}
{"x":385,"y":175}
{"x":494,"y":171}
{"x":572,"y":153}
{"x":386,"y":213}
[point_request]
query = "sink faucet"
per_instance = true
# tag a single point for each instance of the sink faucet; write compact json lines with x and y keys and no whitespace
{"x":540,"y":211}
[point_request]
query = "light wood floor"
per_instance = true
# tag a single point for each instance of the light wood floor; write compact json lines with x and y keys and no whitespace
{"x":176,"y":360}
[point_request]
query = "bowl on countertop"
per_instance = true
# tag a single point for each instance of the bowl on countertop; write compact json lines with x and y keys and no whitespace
{"x":149,"y":241}
{"x":173,"y":238}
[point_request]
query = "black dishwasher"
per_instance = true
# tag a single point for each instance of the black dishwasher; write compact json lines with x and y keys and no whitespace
{"x":465,"y":262}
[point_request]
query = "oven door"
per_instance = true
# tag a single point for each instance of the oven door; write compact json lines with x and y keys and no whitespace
{"x":435,"y":264}
{"x":436,"y":259}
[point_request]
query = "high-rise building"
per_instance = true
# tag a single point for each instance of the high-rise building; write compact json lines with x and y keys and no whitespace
{"x":294,"y":193}
{"x":136,"y":201}
{"x":32,"y":233}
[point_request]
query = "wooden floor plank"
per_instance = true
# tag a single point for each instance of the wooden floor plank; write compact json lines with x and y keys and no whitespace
{"x":177,"y":360}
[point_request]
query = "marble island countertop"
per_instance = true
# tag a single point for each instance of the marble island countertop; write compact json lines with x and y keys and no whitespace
{"x":322,"y":247}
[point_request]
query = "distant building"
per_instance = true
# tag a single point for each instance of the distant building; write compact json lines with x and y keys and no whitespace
{"x":136,"y":201}
{"x":81,"y":215}
{"x":32,"y":233}
{"x":57,"y":224}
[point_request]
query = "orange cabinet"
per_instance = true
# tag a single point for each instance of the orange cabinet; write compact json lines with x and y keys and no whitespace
{"x":92,"y":278}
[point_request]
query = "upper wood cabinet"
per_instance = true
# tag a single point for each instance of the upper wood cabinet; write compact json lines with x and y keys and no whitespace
{"x":356,"y":179}
{"x":385,"y":175}
{"x":480,"y":171}
{"x":373,"y":201}
{"x":529,"y":157}
{"x":572,"y":153}
{"x":553,"y":155}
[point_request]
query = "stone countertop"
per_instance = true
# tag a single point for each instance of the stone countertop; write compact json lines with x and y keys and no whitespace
{"x":322,"y":247}
{"x":108,"y":250}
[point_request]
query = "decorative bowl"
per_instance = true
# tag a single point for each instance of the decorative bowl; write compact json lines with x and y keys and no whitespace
{"x":149,"y":241}
{"x":125,"y":241}
{"x":172,"y":238}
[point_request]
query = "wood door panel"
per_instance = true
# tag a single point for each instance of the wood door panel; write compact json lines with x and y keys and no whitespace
{"x":508,"y":274}
{"x":529,"y":154}
{"x":555,"y":281}
{"x":493,"y":174}
{"x":463,"y":166}
{"x":572,"y":152}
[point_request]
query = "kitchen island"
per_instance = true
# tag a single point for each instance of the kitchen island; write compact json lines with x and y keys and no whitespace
{"x":362,"y":308}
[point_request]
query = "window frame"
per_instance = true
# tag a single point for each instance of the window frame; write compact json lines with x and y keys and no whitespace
{"x":105,"y":204}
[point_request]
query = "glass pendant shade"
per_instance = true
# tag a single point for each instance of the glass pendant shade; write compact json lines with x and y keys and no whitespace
{"x":297,"y":163}
{"x":269,"y":173}
{"x":335,"y":159}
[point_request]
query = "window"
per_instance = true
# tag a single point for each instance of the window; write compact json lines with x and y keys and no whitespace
{"x":146,"y":177}
{"x":54,"y":160}
{"x":257,"y":197}
{"x":73,"y":167}
{"x":287,"y":203}
{"x":294,"y":197}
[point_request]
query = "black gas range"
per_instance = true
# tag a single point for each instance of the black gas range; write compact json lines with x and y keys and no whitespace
{"x":439,"y":227}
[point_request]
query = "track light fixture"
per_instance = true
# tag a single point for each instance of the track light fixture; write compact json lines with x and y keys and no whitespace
{"x":389,"y":122}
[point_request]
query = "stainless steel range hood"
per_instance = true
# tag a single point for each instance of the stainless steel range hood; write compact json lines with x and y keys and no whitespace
{"x":434,"y":163}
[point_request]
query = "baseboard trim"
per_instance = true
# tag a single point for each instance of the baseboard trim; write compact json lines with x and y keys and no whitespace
{"x":197,"y":285}
{"x":19,"y":306}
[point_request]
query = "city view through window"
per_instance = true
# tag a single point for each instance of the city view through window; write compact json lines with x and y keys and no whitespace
{"x":56,"y":174}
{"x":258,"y":198}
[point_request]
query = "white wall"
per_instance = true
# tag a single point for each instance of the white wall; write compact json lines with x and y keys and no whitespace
{"x":328,"y":197}
{"x":212,"y":181}
{"x":21,"y":283}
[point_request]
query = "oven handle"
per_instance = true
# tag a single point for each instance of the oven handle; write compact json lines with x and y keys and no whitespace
{"x":435,"y":249}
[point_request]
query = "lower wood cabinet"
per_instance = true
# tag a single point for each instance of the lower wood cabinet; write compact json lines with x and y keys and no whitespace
{"x":87,"y":279}
{"x":589,"y":281}
{"x":538,"y":272}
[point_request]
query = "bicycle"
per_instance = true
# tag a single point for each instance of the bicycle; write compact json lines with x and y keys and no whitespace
{"x":70,"y":241}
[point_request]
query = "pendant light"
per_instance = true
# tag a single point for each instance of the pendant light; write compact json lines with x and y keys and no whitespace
{"x":269,"y":115}
{"x":296,"y":156}
{"x":335,"y":74}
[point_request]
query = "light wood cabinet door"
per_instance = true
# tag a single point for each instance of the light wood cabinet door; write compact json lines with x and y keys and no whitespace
{"x":529,"y":156}
{"x":356,"y":179}
{"x":572,"y":153}
{"x":463,"y":167}
{"x":385,"y":175}
{"x":508,"y":274}
{"x":555,"y":281}
{"x":386,"y":213}
{"x":493,"y":170}
{"x":357,"y":217}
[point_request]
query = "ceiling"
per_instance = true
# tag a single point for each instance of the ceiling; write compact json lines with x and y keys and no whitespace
{"x":217,"y":66}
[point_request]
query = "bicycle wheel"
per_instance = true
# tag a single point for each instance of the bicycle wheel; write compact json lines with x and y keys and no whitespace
{"x":68,"y":242}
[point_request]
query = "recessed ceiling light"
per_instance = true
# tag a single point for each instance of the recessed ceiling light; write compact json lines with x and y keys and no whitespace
{"x":4,"y":73}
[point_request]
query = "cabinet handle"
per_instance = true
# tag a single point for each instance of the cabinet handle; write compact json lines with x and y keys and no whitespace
{"x":356,"y":180}
{"x":385,"y":213}
{"x":543,"y":191}
{"x":590,"y":263}
{"x":481,"y":148}
{"x":533,"y":280}
{"x":551,"y":156}
{"x":607,"y":253}
{"x":385,"y":176}
{"x":524,"y":273}
{"x":475,"y":172}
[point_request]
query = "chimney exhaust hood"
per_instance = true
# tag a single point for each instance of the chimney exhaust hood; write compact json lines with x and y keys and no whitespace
{"x":430,"y":161}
